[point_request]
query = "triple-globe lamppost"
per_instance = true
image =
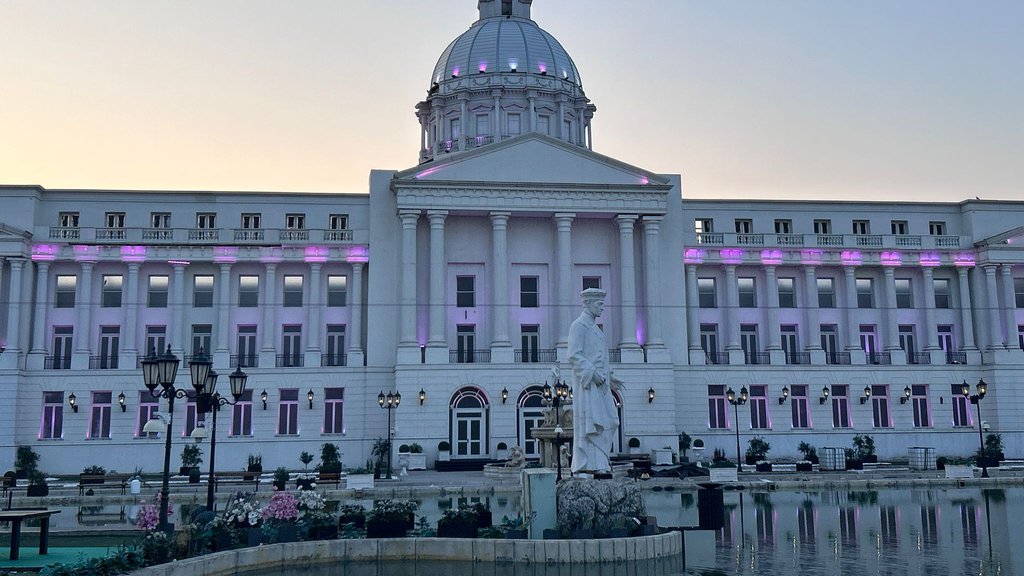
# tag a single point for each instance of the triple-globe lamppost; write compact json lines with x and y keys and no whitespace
{"x":389,"y":402}
{"x":560,"y":394}
{"x":976,"y":399}
{"x":730,"y":395}
{"x":209,"y":400}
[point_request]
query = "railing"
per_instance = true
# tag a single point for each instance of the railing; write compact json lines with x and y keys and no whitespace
{"x":203,"y":234}
{"x":244,"y":361}
{"x":158,"y":234}
{"x":536,"y":355}
{"x":65,"y":233}
{"x":908,"y":241}
{"x":895,"y":241}
{"x":111,"y":234}
{"x":478,"y":141}
{"x":868,"y":240}
{"x":842,"y":358}
{"x":798,"y":358}
{"x":294,"y":235}
{"x":57,"y":363}
{"x":249,"y":235}
{"x":102,"y":362}
{"x":758,"y":358}
{"x":469,"y":356}
{"x":879,"y":358}
{"x":789,"y":239}
{"x":956,"y":357}
{"x":334,"y":359}
{"x":337,"y":235}
{"x":615,"y":355}
{"x":711,"y":238}
{"x":290,"y":360}
{"x":829,"y":240}
{"x":918,"y":358}
{"x":750,"y":239}
{"x":716,"y":357}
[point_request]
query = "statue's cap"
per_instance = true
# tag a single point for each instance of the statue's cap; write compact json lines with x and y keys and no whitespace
{"x":593,"y":294}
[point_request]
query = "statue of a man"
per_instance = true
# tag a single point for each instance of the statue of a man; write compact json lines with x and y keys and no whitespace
{"x":595,"y":418}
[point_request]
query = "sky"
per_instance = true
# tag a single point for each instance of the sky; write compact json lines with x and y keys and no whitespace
{"x":787,"y":99}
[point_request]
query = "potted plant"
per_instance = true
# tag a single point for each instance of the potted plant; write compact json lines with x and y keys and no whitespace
{"x":852,"y":461}
{"x":25,"y":460}
{"x":721,"y":468}
{"x":352,"y":514}
{"x":864,"y":446}
{"x":417,"y":460}
{"x":359,"y":478}
{"x":957,"y":467}
{"x":255,"y":463}
{"x":990,"y":456}
{"x":191,"y":458}
{"x":757,"y":450}
{"x":281,"y":476}
{"x":305,"y":458}
{"x":634,"y":445}
{"x":462,"y":522}
{"x":381,"y":449}
{"x":390,"y":519}
{"x":403,"y":449}
{"x":37,"y":484}
{"x":444,"y":451}
{"x":92,"y":471}
{"x":810,"y":452}
{"x":684,"y":444}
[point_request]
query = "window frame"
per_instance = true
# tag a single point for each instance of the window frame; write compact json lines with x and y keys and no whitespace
{"x":465,"y":291}
{"x":334,"y":410}
{"x":718,"y":414}
{"x":288,"y":412}
{"x":157,"y":297}
{"x":202,"y":297}
{"x":101,"y":402}
{"x":65,"y":297}
{"x":293,"y":296}
{"x":337,"y":297}
{"x":111,"y":297}
{"x":529,"y":297}
{"x":707,"y":292}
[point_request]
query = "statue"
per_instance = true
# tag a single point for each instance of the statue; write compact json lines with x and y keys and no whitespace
{"x":595,"y":418}
{"x":515,"y":458}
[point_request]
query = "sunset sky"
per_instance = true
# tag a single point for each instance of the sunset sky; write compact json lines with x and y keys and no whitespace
{"x":875,"y":99}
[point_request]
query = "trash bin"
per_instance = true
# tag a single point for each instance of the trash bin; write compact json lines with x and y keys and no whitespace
{"x":921,"y":458}
{"x":135,"y":486}
{"x":832,"y":459}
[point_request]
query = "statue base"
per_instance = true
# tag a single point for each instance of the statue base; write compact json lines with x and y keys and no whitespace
{"x":598,"y":506}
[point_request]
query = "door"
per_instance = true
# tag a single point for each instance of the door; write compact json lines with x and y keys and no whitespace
{"x":469,"y":424}
{"x":531,"y":415}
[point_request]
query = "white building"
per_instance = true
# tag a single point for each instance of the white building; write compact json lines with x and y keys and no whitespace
{"x":455,"y":281}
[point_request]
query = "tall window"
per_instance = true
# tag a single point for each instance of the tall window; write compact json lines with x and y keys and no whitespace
{"x":747,"y":293}
{"x":251,"y":221}
{"x":759,"y":407}
{"x":961,"y":408}
{"x":1018,"y":292}
{"x":861,"y":227}
{"x":591,"y":282}
{"x":112,"y":290}
{"x":840,"y":406}
{"x":703,"y":225}
{"x":191,"y":418}
{"x":865,"y":293}
{"x":465,"y":342}
{"x":904,"y":293}
{"x":830,"y":343}
{"x":898,"y":227}
{"x":787,"y":292}
{"x":483,"y":124}
{"x":99,"y":420}
{"x":744,"y":225}
{"x":941,"y":292}
{"x":201,"y":336}
{"x":65,"y":296}
{"x":945,"y":332}
{"x":465,"y":291}
{"x":110,"y":340}
{"x":543,"y":124}
{"x":455,"y":128}
{"x":528,"y":292}
{"x":148,"y":407}
{"x":202,"y":291}
{"x":291,"y":345}
{"x":937,"y":228}
{"x":707,"y":296}
{"x":157,"y":297}
{"x":62,"y":339}
{"x":748,"y":341}
{"x":114,"y":219}
{"x":335,"y":345}
{"x":531,"y":337}
{"x":295,"y":221}
{"x":241,"y":415}
{"x":826,"y":292}
{"x":906,"y":334}
{"x":1020,"y":336}
{"x":206,"y":220}
{"x":716,"y":407}
{"x":337,"y":290}
{"x":709,"y":342}
{"x":156,"y":339}
{"x":822,"y":226}
{"x":68,"y":219}
{"x":246,"y":346}
{"x":293,"y":291}
{"x":159,"y":219}
{"x":514,"y":123}
{"x":334,"y":411}
{"x":783,"y":226}
{"x":52,"y":425}
{"x":922,"y":412}
{"x":799,"y":406}
{"x":288,"y":412}
{"x":880,"y":406}
{"x":248,"y":291}
{"x":869,"y":342}
{"x":789,"y":344}
{"x":338,"y":221}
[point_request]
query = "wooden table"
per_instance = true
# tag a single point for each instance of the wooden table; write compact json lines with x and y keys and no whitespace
{"x":16,"y":516}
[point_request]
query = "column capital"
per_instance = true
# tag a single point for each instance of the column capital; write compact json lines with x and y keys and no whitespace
{"x":226,"y":266}
{"x":409,"y":217}
{"x":315,"y":266}
{"x":626,"y":221}
{"x":437,"y":216}
{"x":769,"y":269}
{"x":809,"y":268}
{"x":1007,"y":269}
{"x":990,"y":268}
{"x":357,"y":265}
{"x":889,"y":272}
{"x":500,"y":219}
{"x":564,"y":216}
{"x":270,"y":266}
{"x":16,"y":263}
{"x":652,"y":220}
{"x":133,"y":266}
{"x":926,"y":272}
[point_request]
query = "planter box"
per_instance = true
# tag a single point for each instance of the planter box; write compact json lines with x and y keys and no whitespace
{"x":661,"y":456}
{"x":456,"y":529}
{"x":723,"y":474}
{"x":416,"y":461}
{"x":804,"y":467}
{"x":359,"y":481}
{"x":988,"y":462}
{"x":959,"y":471}
{"x":37,"y":490}
{"x":377,"y":528}
{"x":766,"y":467}
{"x":854,"y":465}
{"x":444,"y":456}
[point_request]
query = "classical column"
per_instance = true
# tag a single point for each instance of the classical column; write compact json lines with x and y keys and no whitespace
{"x":811,"y":310}
{"x":931,"y":332}
{"x":1009,"y":307}
{"x":496,"y":123}
{"x":407,"y":299}
{"x":852,"y":328}
{"x":892,"y":334}
{"x":270,"y":305}
{"x":627,"y":285}
{"x":355,"y":323}
{"x":560,"y":129}
{"x":566,"y":298}
{"x":177,"y":318}
{"x":84,"y":304}
{"x":966,"y":312}
{"x":995,"y":339}
{"x":223,"y":313}
{"x":499,"y":259}
{"x":692,"y":311}
{"x":313,"y":316}
{"x":436,"y":337}
{"x":729,"y":316}
{"x":42,"y":303}
{"x":131,"y":314}
{"x":652,"y":280}
{"x":462,"y":123}
{"x":9,"y":359}
{"x":532,"y":116}
{"x":772,"y":309}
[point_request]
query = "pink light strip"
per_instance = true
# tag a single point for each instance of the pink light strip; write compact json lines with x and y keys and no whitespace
{"x":45,"y":252}
{"x":133,"y":253}
{"x":852,"y":258}
{"x":892,"y":258}
{"x":694,"y":256}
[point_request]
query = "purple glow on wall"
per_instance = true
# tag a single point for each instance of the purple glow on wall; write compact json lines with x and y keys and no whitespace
{"x":731,"y":255}
{"x":644,"y":180}
{"x":542,"y":67}
{"x":852,"y":258}
{"x":892,"y":258}
{"x":86,"y":253}
{"x":455,"y":71}
{"x":483,"y":66}
{"x":45,"y":252}
{"x":694,"y":256}
{"x":271,"y":254}
{"x":357,"y":254}
{"x":427,"y":172}
{"x":133,"y":253}
{"x":931,"y":259}
{"x":964,"y":259}
{"x":811,"y":256}
{"x":225,"y":254}
{"x":771,"y":256}
{"x":316,"y":254}
{"x":641,"y":331}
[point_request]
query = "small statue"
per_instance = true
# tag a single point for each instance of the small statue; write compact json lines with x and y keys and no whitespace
{"x":515,"y":458}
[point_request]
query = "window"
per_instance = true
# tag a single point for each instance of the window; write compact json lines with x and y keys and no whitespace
{"x":455,"y":128}
{"x":787,"y":292}
{"x":148,"y":407}
{"x":156,"y":339}
{"x":748,"y":292}
{"x":293,"y":291}
{"x":709,"y":342}
{"x":531,"y":337}
{"x":869,"y":342}
{"x":465,"y":342}
{"x":251,"y":221}
{"x":880,"y":406}
{"x":248,"y":291}
{"x":338,"y":221}
{"x":961,"y":407}
{"x":465,"y":291}
{"x":898,"y":227}
{"x":906,"y":334}
{"x":201,"y":334}
{"x":922,"y":412}
{"x":798,"y":406}
{"x":904,"y":293}
{"x":62,"y":340}
{"x":291,"y":345}
{"x":514,"y":123}
{"x":295,"y":221}
{"x":783,"y":226}
{"x":1018,"y":292}
{"x":288,"y":413}
{"x":789,"y":344}
{"x":159,"y":219}
{"x":246,"y":346}
{"x":744,"y":225}
{"x":748,"y":341}
{"x":840,"y":406}
{"x":157,"y":296}
{"x":830,"y":343}
{"x":52,"y":425}
{"x":865,"y":293}
{"x":112,"y":290}
{"x":861,"y":227}
{"x":335,"y":345}
{"x":241,"y":415}
{"x":202,"y":291}
{"x":528,"y":292}
{"x":110,"y":337}
{"x":114,"y":219}
{"x":759,"y":407}
{"x":334,"y":410}
{"x":826,"y":292}
{"x":716,"y":407}
{"x":941,"y":286}
{"x":99,"y":419}
{"x":945,"y":332}
{"x":703,"y":225}
{"x":68,"y":219}
{"x":1020,"y":336}
{"x":591,"y":282}
{"x":542,"y":124}
{"x":483,"y":124}
{"x":206,"y":220}
{"x":937,"y":228}
{"x":65,"y":296}
{"x":566,"y":129}
{"x":822,"y":226}
{"x":707,"y":296}
{"x":337,"y":290}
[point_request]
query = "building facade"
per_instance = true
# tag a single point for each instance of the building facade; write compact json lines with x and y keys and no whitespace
{"x":455,"y":282}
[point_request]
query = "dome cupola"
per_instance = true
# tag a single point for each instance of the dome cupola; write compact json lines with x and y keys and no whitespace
{"x":503,"y":77}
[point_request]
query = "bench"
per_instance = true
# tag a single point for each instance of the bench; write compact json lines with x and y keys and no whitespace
{"x":85,"y":480}
{"x":16,"y":516}
{"x":331,"y":477}
{"x":253,"y":477}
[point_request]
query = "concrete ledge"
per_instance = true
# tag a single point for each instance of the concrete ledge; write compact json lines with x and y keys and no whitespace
{"x":274,"y":557}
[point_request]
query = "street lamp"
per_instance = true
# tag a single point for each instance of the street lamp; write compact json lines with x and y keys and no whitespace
{"x":975,"y":399}
{"x":389,"y":403}
{"x":161,"y":371}
{"x":561,"y":393}
{"x":736,"y":402}
{"x":209,"y":400}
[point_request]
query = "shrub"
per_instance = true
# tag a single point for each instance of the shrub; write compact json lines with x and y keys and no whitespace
{"x":255,"y":460}
{"x":718,"y":455}
{"x":330,"y":458}
{"x":403,"y":449}
{"x":444,"y":446}
{"x":807,"y":450}
{"x":305,"y":458}
{"x":757,"y":448}
{"x":863,"y":446}
{"x":281,"y":475}
{"x":634,"y":442}
{"x":97,"y":470}
{"x":684,"y":443}
{"x":415,"y":448}
{"x":993,"y":446}
{"x":26,"y":459}
{"x":191,"y":456}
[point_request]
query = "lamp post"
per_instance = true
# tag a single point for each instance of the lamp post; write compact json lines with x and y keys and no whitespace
{"x":975,"y":399}
{"x":561,"y":392}
{"x":209,"y":400}
{"x":389,"y":402}
{"x":161,"y":371}
{"x":736,"y":402}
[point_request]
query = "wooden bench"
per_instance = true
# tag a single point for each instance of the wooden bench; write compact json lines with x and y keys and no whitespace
{"x":85,"y":481}
{"x":16,"y":516}
{"x":253,"y":477}
{"x":335,"y":477}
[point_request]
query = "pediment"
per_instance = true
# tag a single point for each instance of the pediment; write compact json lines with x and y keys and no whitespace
{"x":1010,"y":237}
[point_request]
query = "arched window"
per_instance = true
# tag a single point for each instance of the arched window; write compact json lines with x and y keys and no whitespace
{"x":531,"y":410}
{"x":469,"y":417}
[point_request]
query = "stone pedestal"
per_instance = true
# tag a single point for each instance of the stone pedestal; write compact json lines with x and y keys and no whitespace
{"x":598,"y":506}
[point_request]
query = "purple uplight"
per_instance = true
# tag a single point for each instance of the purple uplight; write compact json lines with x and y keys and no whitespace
{"x":771,"y":257}
{"x":694,"y":256}
{"x":964,"y":259}
{"x":316,"y":254}
{"x":225,"y":254}
{"x":427,"y":172}
{"x":86,"y":253}
{"x":811,"y":256}
{"x":644,"y":180}
{"x":178,"y":262}
{"x":930,"y":259}
{"x":455,"y":72}
{"x":483,"y":67}
{"x":892,"y":258}
{"x":133,"y":253}
{"x":731,"y":255}
{"x":542,"y":67}
{"x":357,"y":254}
{"x":45,"y":252}
{"x":641,"y":329}
{"x":852,"y":258}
